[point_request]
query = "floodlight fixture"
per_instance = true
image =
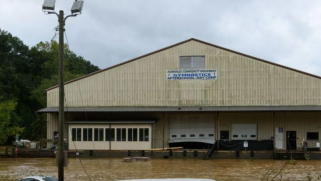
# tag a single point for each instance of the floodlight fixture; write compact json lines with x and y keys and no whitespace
{"x":77,"y":7}
{"x":49,"y":5}
{"x":49,"y":8}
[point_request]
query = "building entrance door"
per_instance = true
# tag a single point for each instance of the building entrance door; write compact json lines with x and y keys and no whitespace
{"x":291,"y":140}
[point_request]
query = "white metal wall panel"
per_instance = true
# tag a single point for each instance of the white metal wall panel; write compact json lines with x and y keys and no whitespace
{"x":52,"y":125}
{"x":241,"y":81}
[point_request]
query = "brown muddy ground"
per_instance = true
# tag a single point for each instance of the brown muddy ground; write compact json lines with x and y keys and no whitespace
{"x":101,"y":169}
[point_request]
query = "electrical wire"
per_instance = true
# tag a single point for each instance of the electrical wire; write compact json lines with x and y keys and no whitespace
{"x":70,"y":128}
{"x":56,"y":30}
{"x":75,"y":143}
{"x":67,"y":40}
{"x":82,"y":100}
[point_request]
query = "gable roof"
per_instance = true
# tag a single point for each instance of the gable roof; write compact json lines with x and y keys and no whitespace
{"x":191,"y":39}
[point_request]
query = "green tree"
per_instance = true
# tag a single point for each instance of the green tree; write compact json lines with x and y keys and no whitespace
{"x":6,"y":124}
{"x":16,"y":78}
{"x":26,"y":73}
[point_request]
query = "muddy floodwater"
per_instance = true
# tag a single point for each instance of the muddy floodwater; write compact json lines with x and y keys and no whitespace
{"x":101,"y":169}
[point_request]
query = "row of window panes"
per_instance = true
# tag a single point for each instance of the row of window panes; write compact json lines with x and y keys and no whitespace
{"x":122,"y":134}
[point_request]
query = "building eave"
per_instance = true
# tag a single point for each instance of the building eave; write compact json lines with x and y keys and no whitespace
{"x":185,"y":109}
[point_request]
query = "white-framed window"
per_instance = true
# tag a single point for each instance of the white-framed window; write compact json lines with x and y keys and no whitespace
{"x":192,"y":62}
{"x":143,"y":134}
{"x":76,"y":134}
{"x":98,"y":134}
{"x":121,"y":134}
{"x":132,"y":134}
{"x":87,"y":134}
{"x":110,"y":134}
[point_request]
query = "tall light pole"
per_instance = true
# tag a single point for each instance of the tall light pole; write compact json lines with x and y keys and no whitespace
{"x":48,"y":7}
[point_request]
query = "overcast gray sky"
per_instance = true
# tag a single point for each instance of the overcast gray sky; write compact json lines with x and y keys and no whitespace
{"x":108,"y":32}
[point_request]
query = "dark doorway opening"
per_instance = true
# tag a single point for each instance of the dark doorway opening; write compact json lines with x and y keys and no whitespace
{"x":291,"y":140}
{"x":225,"y":135}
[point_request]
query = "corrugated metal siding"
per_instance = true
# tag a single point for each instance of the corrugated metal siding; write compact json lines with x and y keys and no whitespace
{"x":52,"y":124}
{"x":166,"y":129}
{"x":241,"y":81}
{"x":264,"y":121}
{"x":158,"y":132}
{"x":301,"y":122}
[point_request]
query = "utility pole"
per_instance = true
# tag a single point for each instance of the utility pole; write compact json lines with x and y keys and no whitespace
{"x":48,"y":7}
{"x":61,"y":158}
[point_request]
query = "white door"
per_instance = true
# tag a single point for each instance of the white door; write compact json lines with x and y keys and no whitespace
{"x":278,"y":138}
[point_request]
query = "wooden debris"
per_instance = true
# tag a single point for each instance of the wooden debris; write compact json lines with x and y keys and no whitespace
{"x":127,"y":159}
{"x":169,"y":148}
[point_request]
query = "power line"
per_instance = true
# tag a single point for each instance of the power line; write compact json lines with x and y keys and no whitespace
{"x":67,"y":40}
{"x":82,"y":101}
{"x":74,"y":141}
{"x":56,"y":30}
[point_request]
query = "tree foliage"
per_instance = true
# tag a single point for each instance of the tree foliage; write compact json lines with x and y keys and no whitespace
{"x":6,"y":124}
{"x":26,"y":72}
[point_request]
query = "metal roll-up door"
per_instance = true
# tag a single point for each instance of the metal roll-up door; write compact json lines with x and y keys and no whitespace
{"x":244,"y":131}
{"x":199,"y":128}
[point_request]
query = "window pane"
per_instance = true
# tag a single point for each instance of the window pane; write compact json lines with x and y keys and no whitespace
{"x":90,"y":134}
{"x":146,"y":134}
{"x":73,"y":134}
{"x":112,"y":134}
{"x":198,"y":62}
{"x":101,"y":134}
{"x":185,"y":63}
{"x":84,"y":138}
{"x":96,"y":134}
{"x":78,"y":134}
{"x":123,"y":134}
{"x":135,"y":134}
{"x":312,"y":135}
{"x":130,"y":134}
{"x":141,"y":134}
{"x":107,"y":136}
{"x":118,"y":134}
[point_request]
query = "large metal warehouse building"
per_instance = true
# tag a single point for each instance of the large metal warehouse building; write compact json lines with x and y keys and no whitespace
{"x":192,"y":94}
